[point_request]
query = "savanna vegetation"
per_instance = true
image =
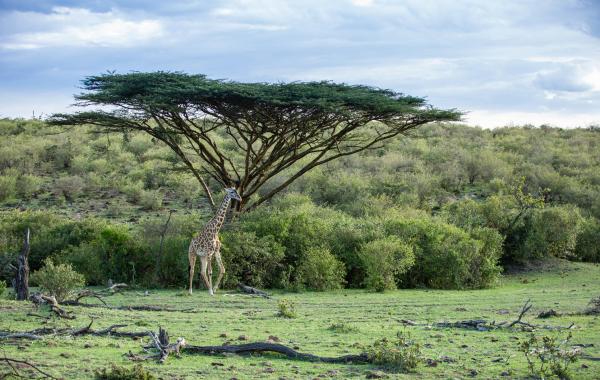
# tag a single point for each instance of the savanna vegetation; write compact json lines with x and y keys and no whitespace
{"x":447,"y":207}
{"x":458,"y":217}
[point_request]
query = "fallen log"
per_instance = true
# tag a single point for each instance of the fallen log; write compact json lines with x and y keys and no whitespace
{"x":483,"y":325}
{"x":40,"y":299}
{"x":261,"y":347}
{"x":253,"y":291}
{"x":86,"y":330}
{"x":161,"y":343}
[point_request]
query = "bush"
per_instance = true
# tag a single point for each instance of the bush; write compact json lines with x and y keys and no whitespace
{"x":57,"y":280}
{"x":70,"y":187}
{"x":116,"y":372}
{"x":50,"y":233}
{"x":384,"y":261}
{"x":587,"y":247}
{"x":546,"y":356}
{"x":133,"y":191}
{"x":287,"y":308}
{"x":445,"y":255}
{"x":548,"y":232}
{"x":399,"y":355}
{"x":319,"y":270}
{"x":2,"y":288}
{"x":251,"y":260}
{"x":28,"y":185}
{"x":151,"y":199}
{"x":8,"y":184}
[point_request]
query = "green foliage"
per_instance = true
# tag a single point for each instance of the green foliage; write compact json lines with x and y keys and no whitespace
{"x":587,"y":247}
{"x":342,"y":328}
{"x":251,"y":260}
{"x":115,"y":372}
{"x":357,"y":118}
{"x":70,"y":187}
{"x":397,"y":355}
{"x":2,"y":288}
{"x":447,"y":257}
{"x":546,"y":356}
{"x":28,"y":185}
{"x":151,"y":199}
{"x":319,"y":270}
{"x":287,"y":308}
{"x":551,"y":231}
{"x":385,"y":260}
{"x":57,"y":280}
{"x":8,"y":187}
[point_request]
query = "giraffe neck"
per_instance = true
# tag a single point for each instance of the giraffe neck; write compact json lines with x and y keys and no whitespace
{"x":217,"y":221}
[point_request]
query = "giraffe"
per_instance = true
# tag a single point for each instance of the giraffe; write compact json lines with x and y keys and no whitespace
{"x":205,"y":244}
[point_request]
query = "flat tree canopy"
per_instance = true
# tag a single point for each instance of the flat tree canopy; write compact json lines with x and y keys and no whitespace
{"x":244,"y":134}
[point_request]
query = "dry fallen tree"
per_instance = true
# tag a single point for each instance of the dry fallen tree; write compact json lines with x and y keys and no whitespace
{"x":484,"y":325}
{"x":86,"y":330}
{"x":161,"y":344}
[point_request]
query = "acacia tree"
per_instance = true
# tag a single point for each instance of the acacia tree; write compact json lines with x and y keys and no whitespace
{"x":271,"y":127}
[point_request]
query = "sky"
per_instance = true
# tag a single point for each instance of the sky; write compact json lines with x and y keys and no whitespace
{"x":504,"y":62}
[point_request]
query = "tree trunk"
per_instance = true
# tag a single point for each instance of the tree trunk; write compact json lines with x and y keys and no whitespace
{"x":160,"y":248}
{"x":22,"y":277}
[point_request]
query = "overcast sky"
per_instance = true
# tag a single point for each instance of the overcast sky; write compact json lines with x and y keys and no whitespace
{"x":505,"y":62}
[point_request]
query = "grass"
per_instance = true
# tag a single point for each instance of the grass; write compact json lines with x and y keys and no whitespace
{"x":565,"y":287}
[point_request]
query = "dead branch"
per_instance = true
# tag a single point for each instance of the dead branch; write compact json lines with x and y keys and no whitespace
{"x":483,"y":325}
{"x":84,"y":294}
{"x":11,"y":362}
{"x":19,"y":335}
{"x":86,"y":330}
{"x":526,"y":307}
{"x":22,"y":273}
{"x":134,"y":307}
{"x":253,"y":291}
{"x":39,"y":299}
{"x":161,"y":343}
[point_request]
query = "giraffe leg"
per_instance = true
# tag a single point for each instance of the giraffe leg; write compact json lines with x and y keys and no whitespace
{"x":204,"y":266}
{"x":192,"y":258}
{"x":210,"y":269}
{"x":221,"y":269}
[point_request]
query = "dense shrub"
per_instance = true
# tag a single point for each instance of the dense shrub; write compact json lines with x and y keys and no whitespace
{"x":50,"y":233}
{"x":385,"y":260}
{"x":445,"y":255}
{"x":8,"y":187}
{"x":28,"y":185}
{"x":251,"y":260}
{"x":70,"y":187}
{"x":587,"y":247}
{"x":319,"y":270}
{"x":151,"y":199}
{"x":137,"y":372}
{"x":2,"y":288}
{"x":548,"y":232}
{"x":57,"y":280}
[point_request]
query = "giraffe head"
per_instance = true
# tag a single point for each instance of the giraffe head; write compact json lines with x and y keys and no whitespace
{"x":233,"y":194}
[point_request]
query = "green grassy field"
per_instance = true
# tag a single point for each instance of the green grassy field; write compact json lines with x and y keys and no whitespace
{"x":565,"y":287}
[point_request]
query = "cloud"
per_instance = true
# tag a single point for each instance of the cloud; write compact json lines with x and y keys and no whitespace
{"x":569,"y":77}
{"x":75,"y":27}
{"x":518,"y":58}
{"x":363,"y":3}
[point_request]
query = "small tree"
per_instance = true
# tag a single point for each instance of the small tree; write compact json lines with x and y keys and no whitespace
{"x":244,"y":134}
{"x":58,"y":280}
